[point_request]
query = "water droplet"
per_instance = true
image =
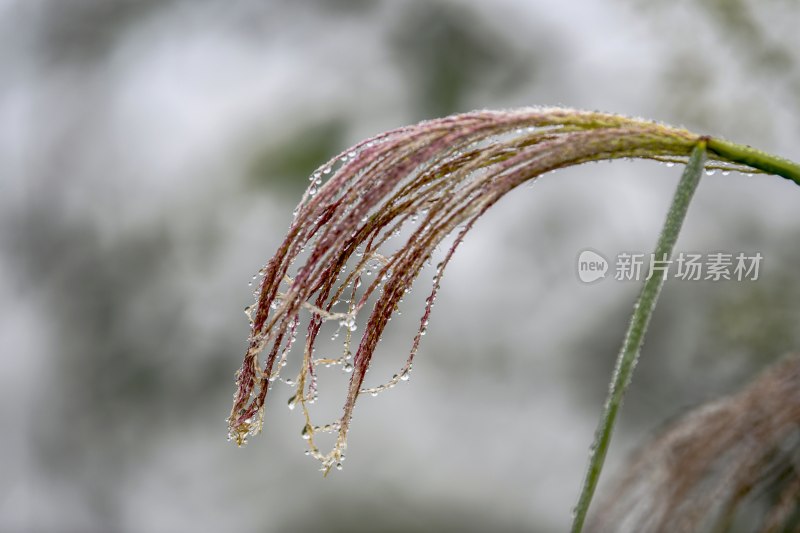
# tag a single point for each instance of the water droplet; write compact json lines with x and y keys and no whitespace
{"x":292,"y":402}
{"x":338,"y":466}
{"x":347,"y":367}
{"x":710,"y":171}
{"x":670,"y":164}
{"x":405,"y":375}
{"x":348,"y":323}
{"x":307,"y":431}
{"x":289,"y":382}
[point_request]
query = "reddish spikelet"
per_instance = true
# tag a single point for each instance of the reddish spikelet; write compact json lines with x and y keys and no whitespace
{"x":446,"y":172}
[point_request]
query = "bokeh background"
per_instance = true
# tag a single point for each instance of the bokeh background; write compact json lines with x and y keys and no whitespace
{"x":151,"y":153}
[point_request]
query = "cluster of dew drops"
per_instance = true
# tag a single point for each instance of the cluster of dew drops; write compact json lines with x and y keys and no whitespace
{"x":347,"y":326}
{"x":712,"y":168}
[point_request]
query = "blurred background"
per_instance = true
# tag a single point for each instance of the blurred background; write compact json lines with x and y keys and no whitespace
{"x":151,"y":154}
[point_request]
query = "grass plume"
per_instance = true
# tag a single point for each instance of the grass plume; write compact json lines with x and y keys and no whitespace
{"x":731,"y":461}
{"x":426,"y":181}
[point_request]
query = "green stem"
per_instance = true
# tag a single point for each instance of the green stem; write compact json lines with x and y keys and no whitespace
{"x":629,"y":353}
{"x":746,"y":155}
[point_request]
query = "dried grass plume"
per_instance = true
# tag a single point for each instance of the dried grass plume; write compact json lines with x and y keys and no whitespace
{"x":730,"y":465}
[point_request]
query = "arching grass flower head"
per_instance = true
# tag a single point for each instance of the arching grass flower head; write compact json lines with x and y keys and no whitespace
{"x":371,"y":219}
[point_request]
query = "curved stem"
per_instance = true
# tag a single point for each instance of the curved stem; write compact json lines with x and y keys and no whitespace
{"x":749,"y":156}
{"x":629,"y":353}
